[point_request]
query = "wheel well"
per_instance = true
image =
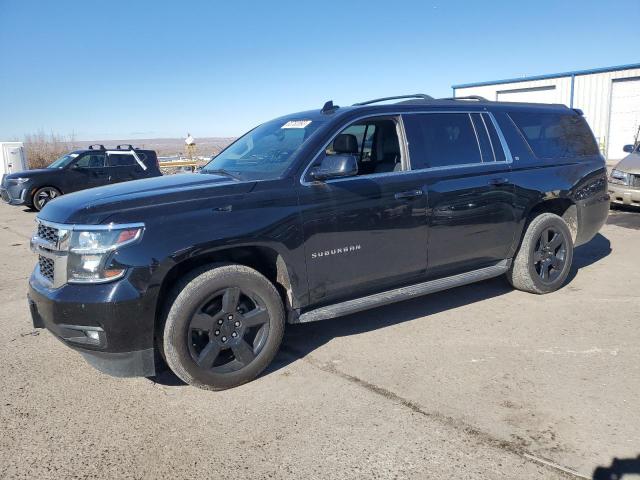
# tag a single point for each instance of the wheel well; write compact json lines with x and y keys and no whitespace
{"x":563,"y":207}
{"x":263,"y":259}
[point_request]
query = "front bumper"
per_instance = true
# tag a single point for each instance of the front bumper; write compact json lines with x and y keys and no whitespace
{"x":117,"y":313}
{"x":624,"y":194}
{"x":13,"y":194}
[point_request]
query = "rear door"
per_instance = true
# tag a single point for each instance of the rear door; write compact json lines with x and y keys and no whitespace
{"x":123,"y":166}
{"x":466,"y":168}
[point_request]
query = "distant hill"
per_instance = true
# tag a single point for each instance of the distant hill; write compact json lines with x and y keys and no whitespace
{"x":205,"y":146}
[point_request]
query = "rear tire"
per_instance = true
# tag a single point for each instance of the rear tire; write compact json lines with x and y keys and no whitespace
{"x":543,"y":261}
{"x":224,"y":326}
{"x":44,"y":195}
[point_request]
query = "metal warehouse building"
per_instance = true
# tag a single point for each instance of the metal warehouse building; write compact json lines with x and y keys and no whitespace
{"x":609,"y":98}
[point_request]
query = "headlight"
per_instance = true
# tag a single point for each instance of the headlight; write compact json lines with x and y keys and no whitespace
{"x":620,"y":177}
{"x":17,"y":181}
{"x":90,"y":259}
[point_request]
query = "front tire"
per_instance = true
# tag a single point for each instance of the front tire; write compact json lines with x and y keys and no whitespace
{"x":224,"y":326}
{"x":44,"y":195}
{"x":543,"y":261}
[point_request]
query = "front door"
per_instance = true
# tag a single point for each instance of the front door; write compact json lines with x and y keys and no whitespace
{"x":88,"y":171}
{"x":364,"y":233}
{"x":467,"y":173}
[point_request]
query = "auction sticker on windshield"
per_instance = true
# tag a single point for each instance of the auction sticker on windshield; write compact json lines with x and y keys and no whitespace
{"x":296,"y":124}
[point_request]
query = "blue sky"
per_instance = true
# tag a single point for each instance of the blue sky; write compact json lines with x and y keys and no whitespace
{"x":144,"y":69}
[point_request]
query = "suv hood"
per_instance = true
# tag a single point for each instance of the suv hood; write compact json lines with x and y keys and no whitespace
{"x":96,"y":205}
{"x":630,"y":164}
{"x":34,"y":173}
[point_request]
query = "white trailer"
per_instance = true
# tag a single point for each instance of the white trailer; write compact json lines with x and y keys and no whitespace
{"x":12,"y":157}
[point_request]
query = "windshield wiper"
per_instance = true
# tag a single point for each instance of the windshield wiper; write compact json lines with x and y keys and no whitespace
{"x":221,"y":171}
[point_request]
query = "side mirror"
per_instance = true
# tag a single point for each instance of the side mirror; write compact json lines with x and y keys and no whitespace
{"x":336,"y":166}
{"x":628,"y":148}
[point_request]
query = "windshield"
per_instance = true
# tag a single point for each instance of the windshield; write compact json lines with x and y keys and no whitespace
{"x":63,"y":161}
{"x":265,"y":152}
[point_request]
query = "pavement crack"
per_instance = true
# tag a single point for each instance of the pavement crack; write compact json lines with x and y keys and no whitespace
{"x":479,"y":435}
{"x":33,"y":333}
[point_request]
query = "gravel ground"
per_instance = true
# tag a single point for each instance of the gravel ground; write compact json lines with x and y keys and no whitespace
{"x":477,"y":382}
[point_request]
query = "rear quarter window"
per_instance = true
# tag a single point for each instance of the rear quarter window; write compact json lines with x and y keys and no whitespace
{"x":554,"y":135}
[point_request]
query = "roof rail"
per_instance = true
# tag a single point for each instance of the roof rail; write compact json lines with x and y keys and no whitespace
{"x":101,"y":147}
{"x":128,"y":145}
{"x":468,"y":97}
{"x":399,"y":97}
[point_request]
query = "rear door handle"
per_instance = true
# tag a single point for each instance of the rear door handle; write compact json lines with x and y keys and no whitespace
{"x":408,"y":194}
{"x":498,"y":181}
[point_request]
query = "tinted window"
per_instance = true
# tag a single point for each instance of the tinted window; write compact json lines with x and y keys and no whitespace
{"x":92,"y":160}
{"x":441,"y":139}
{"x":121,"y":160}
{"x":553,"y":135}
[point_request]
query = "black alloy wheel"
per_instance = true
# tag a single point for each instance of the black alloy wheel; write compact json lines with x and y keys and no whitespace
{"x":543,"y":261}
{"x":228,"y":330}
{"x":223,"y":326}
{"x":550,"y":254}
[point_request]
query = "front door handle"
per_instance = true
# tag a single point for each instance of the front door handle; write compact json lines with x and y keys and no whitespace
{"x":498,"y":181}
{"x":408,"y":194}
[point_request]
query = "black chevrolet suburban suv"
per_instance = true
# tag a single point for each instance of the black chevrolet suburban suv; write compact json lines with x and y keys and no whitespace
{"x":78,"y":170}
{"x":313,"y":216}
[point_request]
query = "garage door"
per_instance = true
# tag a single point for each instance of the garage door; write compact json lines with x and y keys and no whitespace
{"x":624,"y":120}
{"x":529,"y":95}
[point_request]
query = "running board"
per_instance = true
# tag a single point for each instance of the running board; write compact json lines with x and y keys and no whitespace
{"x":404,"y":293}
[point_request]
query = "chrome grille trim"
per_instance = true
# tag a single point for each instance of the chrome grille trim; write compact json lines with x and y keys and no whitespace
{"x":47,"y":267}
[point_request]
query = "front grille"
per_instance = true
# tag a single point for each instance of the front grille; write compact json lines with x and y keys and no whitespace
{"x":46,"y":267}
{"x":634,"y":181}
{"x":49,"y":234}
{"x":5,"y":195}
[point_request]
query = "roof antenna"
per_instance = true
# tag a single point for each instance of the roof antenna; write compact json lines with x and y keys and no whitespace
{"x":329,"y":107}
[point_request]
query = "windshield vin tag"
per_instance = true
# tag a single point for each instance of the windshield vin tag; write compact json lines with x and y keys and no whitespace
{"x":296,"y":124}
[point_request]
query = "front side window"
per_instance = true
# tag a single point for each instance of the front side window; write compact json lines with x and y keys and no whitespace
{"x":91,"y":160}
{"x":554,"y":135}
{"x":265,"y":152}
{"x":441,"y":140}
{"x":374,"y":142}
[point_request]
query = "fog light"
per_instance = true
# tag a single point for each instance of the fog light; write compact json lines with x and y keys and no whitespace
{"x":93,"y":335}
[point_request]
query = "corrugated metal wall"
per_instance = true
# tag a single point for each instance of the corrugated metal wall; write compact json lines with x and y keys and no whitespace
{"x":592,"y":94}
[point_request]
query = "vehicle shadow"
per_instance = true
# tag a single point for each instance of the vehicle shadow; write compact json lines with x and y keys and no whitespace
{"x":619,"y":469}
{"x":302,"y":339}
{"x":589,"y":253}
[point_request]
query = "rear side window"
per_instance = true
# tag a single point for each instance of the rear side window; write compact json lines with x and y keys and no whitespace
{"x":553,"y":135}
{"x":121,"y":160}
{"x":441,"y":140}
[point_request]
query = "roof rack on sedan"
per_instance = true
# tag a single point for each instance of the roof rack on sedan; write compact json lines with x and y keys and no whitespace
{"x":399,"y":97}
{"x":99,"y":145}
{"x":127,"y":145}
{"x":468,"y":97}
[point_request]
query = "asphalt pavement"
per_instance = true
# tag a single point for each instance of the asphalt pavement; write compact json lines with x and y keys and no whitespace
{"x":479,"y":382}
